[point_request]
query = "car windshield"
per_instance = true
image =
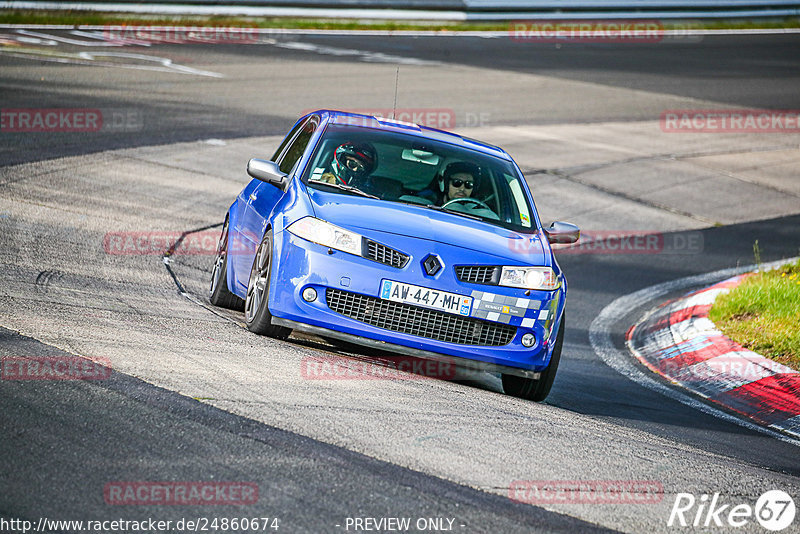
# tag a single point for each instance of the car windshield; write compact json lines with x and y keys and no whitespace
{"x":398,"y":167}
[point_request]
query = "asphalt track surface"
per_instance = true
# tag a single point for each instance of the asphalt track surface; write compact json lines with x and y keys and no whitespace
{"x":196,"y":397}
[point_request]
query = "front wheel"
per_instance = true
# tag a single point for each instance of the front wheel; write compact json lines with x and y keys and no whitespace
{"x":256,"y":312}
{"x":537,"y":389}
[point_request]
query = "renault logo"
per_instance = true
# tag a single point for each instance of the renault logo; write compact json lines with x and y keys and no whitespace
{"x":432,"y":264}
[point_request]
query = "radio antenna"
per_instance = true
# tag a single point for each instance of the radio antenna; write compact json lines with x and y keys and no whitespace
{"x":396,"y":79}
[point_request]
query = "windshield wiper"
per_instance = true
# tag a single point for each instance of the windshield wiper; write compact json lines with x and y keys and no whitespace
{"x":348,"y":188}
{"x":440,"y":208}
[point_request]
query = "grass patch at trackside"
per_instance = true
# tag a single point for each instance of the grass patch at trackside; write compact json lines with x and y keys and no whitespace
{"x":91,"y":18}
{"x":763,"y":314}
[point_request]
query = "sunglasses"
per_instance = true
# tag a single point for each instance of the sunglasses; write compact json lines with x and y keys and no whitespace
{"x":459,"y":183}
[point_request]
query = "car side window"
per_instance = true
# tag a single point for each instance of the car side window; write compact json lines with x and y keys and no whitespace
{"x":298,"y":145}
{"x":519,"y":200}
{"x":286,"y":140}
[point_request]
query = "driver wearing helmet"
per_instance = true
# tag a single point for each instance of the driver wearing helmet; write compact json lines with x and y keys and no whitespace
{"x":459,"y":180}
{"x":352,"y":163}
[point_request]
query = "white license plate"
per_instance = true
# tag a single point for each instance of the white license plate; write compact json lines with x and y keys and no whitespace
{"x":423,"y":296}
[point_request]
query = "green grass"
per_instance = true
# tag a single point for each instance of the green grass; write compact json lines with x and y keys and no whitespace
{"x":763,"y":314}
{"x":87,"y":18}
{"x":76,"y":18}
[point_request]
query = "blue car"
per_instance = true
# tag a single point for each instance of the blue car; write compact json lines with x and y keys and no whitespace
{"x":387,"y":234}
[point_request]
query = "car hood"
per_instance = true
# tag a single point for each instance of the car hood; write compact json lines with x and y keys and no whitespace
{"x":361,"y":213}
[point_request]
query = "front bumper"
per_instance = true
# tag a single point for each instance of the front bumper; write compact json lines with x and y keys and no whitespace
{"x":299,"y":264}
{"x":464,"y":363}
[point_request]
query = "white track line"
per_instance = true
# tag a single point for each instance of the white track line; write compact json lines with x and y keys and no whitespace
{"x":158,"y":64}
{"x":67,"y":40}
{"x":369,"y":57}
{"x":600,"y":338}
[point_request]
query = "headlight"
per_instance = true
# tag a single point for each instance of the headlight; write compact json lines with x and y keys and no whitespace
{"x":542,"y":278}
{"x":327,"y":235}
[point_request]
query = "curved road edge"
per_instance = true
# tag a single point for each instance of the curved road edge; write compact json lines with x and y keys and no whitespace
{"x":679,"y":342}
{"x":600,"y":336}
{"x":158,"y":425}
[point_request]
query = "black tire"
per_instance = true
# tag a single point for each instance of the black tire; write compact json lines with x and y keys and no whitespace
{"x":537,"y":389}
{"x":256,"y":312}
{"x":218,"y":293}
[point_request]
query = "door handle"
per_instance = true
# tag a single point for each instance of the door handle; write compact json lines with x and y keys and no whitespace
{"x":253,"y":196}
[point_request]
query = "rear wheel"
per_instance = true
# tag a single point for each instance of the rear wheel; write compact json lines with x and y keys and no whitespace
{"x":537,"y":389}
{"x":218,"y":293}
{"x":256,"y":312}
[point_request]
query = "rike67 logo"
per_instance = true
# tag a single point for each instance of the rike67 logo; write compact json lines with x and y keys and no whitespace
{"x":774,"y":511}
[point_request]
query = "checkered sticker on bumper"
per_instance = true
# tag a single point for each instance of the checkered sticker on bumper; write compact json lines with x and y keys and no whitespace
{"x":500,"y":308}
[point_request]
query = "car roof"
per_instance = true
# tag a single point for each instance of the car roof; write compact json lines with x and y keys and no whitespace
{"x":381,"y":123}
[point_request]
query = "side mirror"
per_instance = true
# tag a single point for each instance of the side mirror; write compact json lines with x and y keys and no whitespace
{"x":267,"y":171}
{"x":562,"y":233}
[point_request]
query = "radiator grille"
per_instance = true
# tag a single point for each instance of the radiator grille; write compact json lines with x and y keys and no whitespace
{"x":477,"y":274}
{"x":419,"y":321}
{"x":384,"y":254}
